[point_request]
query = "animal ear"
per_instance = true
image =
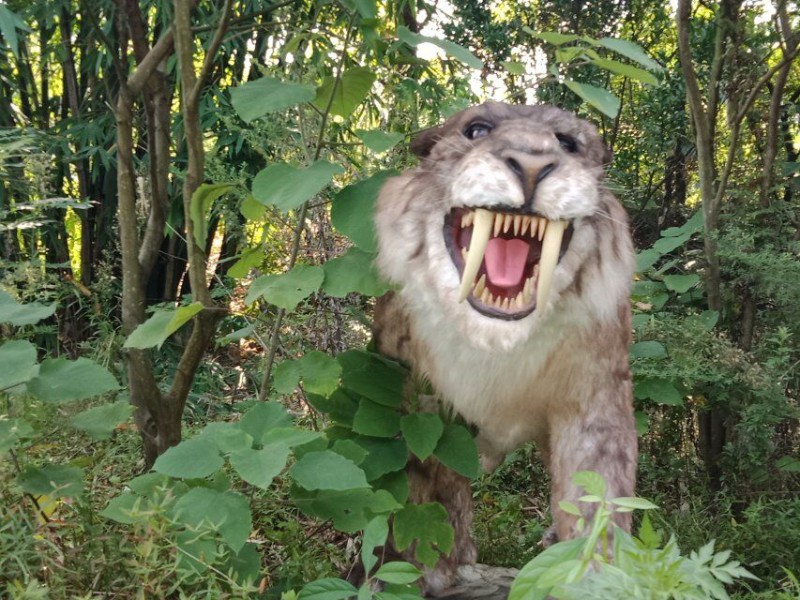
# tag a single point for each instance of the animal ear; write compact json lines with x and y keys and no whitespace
{"x":424,"y":141}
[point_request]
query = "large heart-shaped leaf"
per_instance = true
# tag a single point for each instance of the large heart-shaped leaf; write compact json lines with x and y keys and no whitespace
{"x":257,"y":98}
{"x":14,"y":313}
{"x":287,"y":187}
{"x":162,"y":324}
{"x":62,"y":380}
{"x":350,"y":90}
{"x":289,"y":289}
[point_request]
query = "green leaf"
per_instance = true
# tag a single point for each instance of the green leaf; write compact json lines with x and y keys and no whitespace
{"x":163,"y":323}
{"x":12,"y":431}
{"x":251,"y":209}
{"x":61,"y":380}
{"x":14,"y":313}
{"x":353,"y":207}
{"x":191,"y":459}
{"x":228,"y":437}
{"x":289,"y":437}
{"x":264,"y":417}
{"x":327,"y":470}
{"x":289,"y":289}
{"x":376,"y":420}
{"x":55,"y":481}
{"x":18,"y":358}
{"x":422,"y":432}
{"x":287,"y":187}
{"x":788,"y":464}
{"x":350,"y":510}
{"x":526,"y":585}
{"x":379,"y":141}
{"x":457,"y":450}
{"x":375,"y":534}
{"x":99,"y":422}
{"x":681,"y":283}
{"x":351,"y":89}
{"x":668,"y":244}
{"x":642,"y":422}
{"x":267,"y":95}
{"x":452,"y":49}
{"x":383,"y":456}
{"x":372,"y":377}
{"x":353,"y":272}
{"x":226,"y":512}
{"x":250,"y":258}
{"x":328,"y":589}
{"x":634,"y":503}
{"x":515,"y":68}
{"x":200,"y":207}
{"x":707,"y":319}
{"x":319,"y":371}
{"x":398,"y":572}
{"x":426,"y":524}
{"x":660,"y":390}
{"x":693,"y":225}
{"x":592,"y":482}
{"x":260,"y":467}
{"x":630,"y":50}
{"x":9,"y":23}
{"x":646,"y":259}
{"x":626,"y":70}
{"x":123,"y":508}
{"x":367,"y":8}
{"x":552,"y":37}
{"x":599,"y":98}
{"x":649,"y":349}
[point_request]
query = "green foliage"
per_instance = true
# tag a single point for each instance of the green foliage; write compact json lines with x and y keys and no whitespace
{"x":287,"y":187}
{"x":163,"y":323}
{"x":635,"y":568}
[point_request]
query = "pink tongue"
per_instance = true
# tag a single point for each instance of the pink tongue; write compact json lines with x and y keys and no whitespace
{"x":505,"y":261}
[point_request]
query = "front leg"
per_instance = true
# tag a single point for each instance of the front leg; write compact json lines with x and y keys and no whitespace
{"x":601,"y":438}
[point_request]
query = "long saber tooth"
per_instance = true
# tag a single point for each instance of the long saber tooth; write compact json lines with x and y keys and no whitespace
{"x":551,"y":247}
{"x":481,"y":230}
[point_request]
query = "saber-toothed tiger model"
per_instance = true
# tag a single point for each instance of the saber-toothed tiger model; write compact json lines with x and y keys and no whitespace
{"x":513,"y":264}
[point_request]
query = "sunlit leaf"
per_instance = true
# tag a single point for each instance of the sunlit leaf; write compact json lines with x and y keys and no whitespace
{"x":289,"y":289}
{"x":626,"y":70}
{"x":257,"y":98}
{"x":452,"y":49}
{"x":200,"y":207}
{"x":287,"y":187}
{"x":351,"y":89}
{"x":599,"y":98}
{"x":259,"y":467}
{"x":630,"y":50}
{"x":162,"y":324}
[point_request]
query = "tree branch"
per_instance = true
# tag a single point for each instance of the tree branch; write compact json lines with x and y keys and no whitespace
{"x":211,"y":53}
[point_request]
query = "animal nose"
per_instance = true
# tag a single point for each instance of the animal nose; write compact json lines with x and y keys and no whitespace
{"x":530,"y":169}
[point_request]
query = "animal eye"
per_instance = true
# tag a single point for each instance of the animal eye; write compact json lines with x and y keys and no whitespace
{"x":477,"y":130}
{"x":567,"y":142}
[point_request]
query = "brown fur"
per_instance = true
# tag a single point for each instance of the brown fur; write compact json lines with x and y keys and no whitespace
{"x":575,"y":398}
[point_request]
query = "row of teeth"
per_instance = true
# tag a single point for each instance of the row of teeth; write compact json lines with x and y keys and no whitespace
{"x":520,"y":224}
{"x":522,"y":299}
{"x":483,"y":222}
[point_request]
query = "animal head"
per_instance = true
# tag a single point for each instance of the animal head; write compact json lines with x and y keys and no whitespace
{"x":505,"y":220}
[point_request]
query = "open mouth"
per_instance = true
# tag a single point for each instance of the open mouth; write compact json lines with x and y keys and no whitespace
{"x":506,"y":260}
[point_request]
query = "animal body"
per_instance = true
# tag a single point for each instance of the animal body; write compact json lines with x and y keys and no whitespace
{"x":513,"y":265}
